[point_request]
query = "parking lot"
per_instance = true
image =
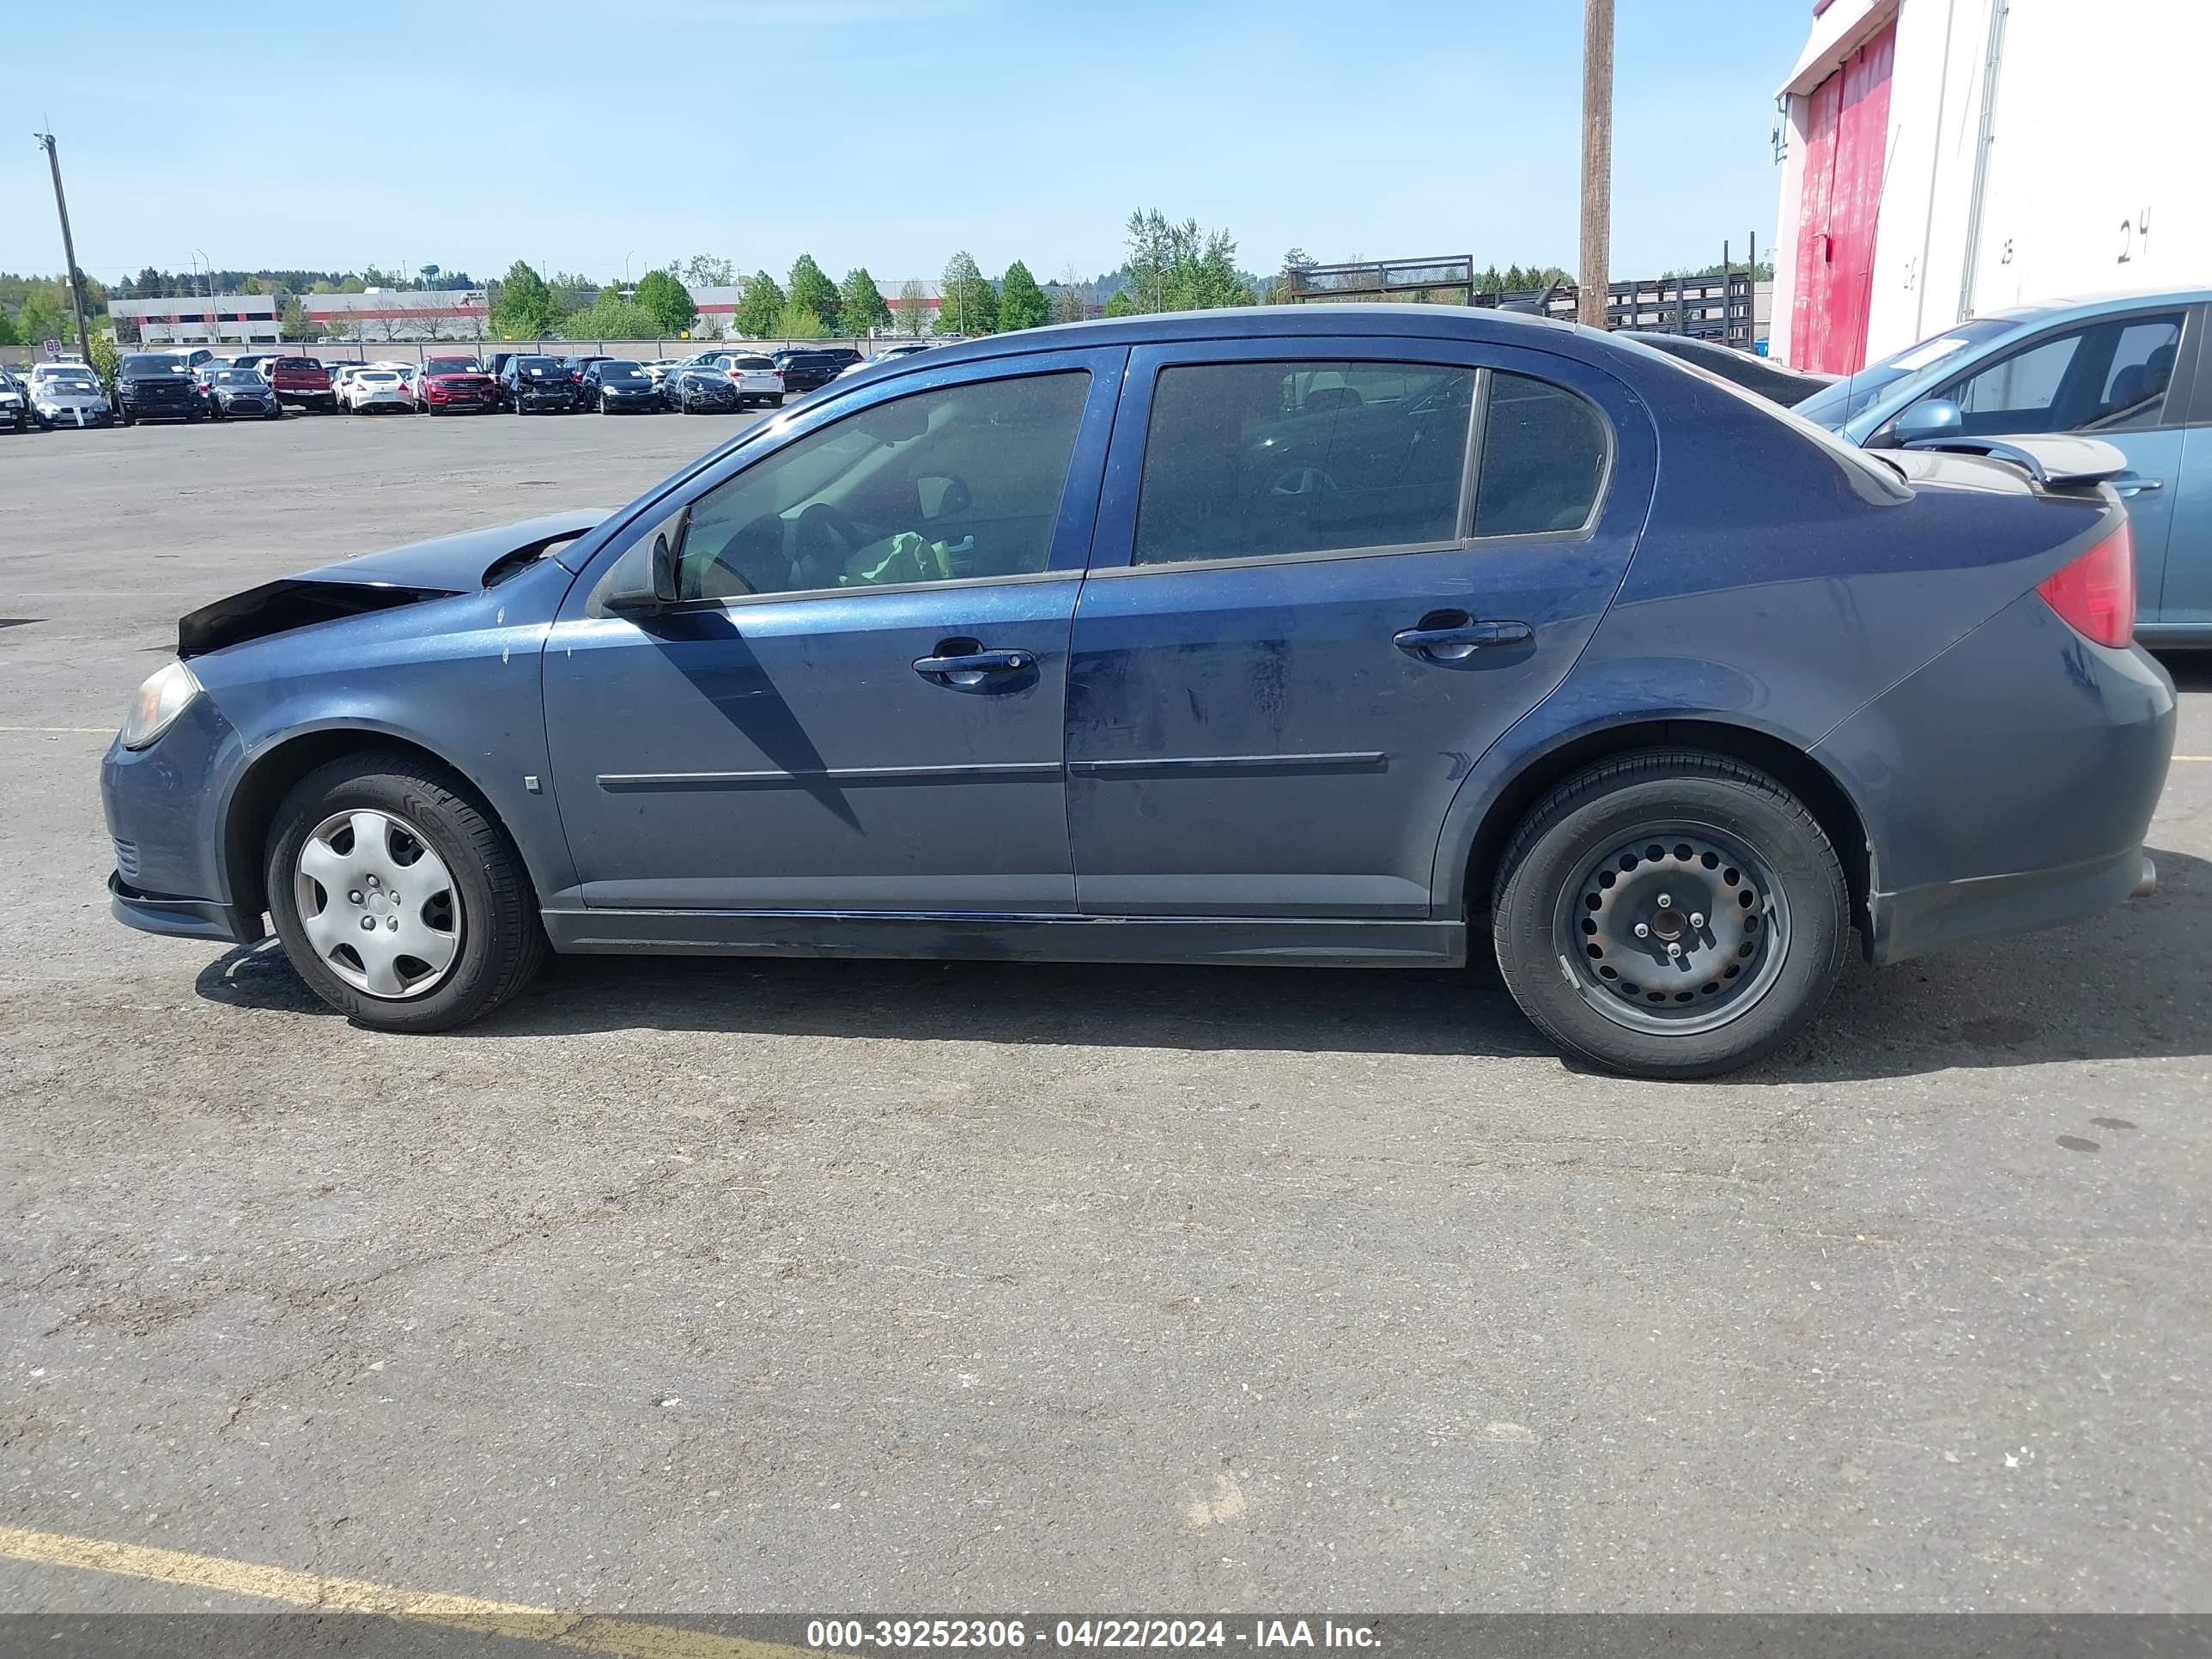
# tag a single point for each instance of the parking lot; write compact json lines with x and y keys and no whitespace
{"x":823,"y":1287}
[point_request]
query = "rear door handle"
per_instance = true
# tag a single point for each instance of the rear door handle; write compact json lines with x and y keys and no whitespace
{"x":1453,"y":636}
{"x":973,"y":667}
{"x":2134,"y":483}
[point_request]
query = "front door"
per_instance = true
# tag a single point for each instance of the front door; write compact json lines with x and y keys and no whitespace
{"x":1307,"y":616}
{"x":856,"y":703}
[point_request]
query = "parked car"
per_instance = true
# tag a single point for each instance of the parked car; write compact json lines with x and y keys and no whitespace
{"x":537,"y":385}
{"x":2129,"y":370}
{"x":890,"y":354}
{"x":758,"y":380}
{"x":448,"y":384}
{"x":257,"y":360}
{"x":14,"y":403}
{"x":1770,"y":380}
{"x":237,"y":393}
{"x":301,"y":382}
{"x":1402,"y":632}
{"x":701,"y":389}
{"x":576,"y":367}
{"x":615,"y":387}
{"x":151,"y":385}
{"x":68,"y":394}
{"x":658,"y":368}
{"x":805,"y":368}
{"x":374,"y":388}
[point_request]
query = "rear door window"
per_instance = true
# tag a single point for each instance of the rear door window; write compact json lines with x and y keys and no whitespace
{"x":1544,"y":452}
{"x":1253,"y":459}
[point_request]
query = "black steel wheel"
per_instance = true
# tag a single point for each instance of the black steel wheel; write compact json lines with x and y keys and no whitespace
{"x":1670,"y":914}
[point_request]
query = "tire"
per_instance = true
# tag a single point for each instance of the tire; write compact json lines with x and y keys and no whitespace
{"x":776,"y":402}
{"x":497,"y":942}
{"x":1605,"y":853}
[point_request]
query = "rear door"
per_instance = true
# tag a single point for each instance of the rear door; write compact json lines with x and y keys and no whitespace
{"x":1307,"y":616}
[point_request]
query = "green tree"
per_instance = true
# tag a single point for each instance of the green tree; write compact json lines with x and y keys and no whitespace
{"x":8,"y":335}
{"x":666,"y":301}
{"x":861,"y":309}
{"x":1179,"y":267}
{"x":707,"y":270}
{"x":611,"y":317}
{"x":105,"y":359}
{"x":969,"y":304}
{"x":759,"y":306}
{"x":1121,"y":304}
{"x":295,"y":324}
{"x":1022,"y":303}
{"x":798,"y":322}
{"x":39,"y":319}
{"x":813,"y":290}
{"x":524,"y":309}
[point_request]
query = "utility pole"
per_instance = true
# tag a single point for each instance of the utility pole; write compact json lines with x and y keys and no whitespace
{"x":1590,"y":289}
{"x":69,"y":247}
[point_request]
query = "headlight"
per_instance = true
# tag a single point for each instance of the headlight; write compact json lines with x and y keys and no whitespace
{"x":167,"y":692}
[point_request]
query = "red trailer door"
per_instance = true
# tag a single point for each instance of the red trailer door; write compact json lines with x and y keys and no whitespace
{"x":1840,"y":208}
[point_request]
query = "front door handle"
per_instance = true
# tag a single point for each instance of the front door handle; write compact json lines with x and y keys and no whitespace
{"x":2134,"y":483}
{"x":973,"y":667}
{"x":1453,"y":636}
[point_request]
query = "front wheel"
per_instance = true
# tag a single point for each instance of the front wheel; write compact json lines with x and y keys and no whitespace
{"x":1670,"y":914}
{"x":398,"y":900}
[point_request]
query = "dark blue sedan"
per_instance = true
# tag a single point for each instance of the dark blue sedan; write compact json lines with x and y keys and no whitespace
{"x":1339,"y":635}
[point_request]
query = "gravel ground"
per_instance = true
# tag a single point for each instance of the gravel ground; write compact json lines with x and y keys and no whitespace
{"x":819,"y":1286}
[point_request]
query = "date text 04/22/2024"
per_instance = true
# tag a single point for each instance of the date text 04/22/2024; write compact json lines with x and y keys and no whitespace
{"x":1114,"y":1634}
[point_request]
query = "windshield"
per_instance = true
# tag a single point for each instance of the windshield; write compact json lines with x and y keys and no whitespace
{"x":65,"y":383}
{"x":540,"y":365}
{"x":1920,"y":363}
{"x":452,"y":366}
{"x":139,"y":365}
{"x":237,"y":376}
{"x":621,"y":372}
{"x":751,"y":362}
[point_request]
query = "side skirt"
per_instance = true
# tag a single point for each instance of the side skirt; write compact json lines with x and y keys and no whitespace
{"x":1253,"y":941}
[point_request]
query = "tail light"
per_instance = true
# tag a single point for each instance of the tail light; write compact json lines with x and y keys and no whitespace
{"x":2095,"y":595}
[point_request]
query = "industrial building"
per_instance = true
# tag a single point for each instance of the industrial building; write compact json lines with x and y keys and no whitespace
{"x":203,"y":319}
{"x":1943,"y":159}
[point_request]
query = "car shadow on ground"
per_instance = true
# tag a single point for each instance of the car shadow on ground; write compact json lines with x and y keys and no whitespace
{"x":2191,"y":670}
{"x":2135,"y":983}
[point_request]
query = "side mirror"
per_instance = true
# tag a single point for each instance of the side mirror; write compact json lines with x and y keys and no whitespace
{"x":1930,"y":418}
{"x":644,"y":579}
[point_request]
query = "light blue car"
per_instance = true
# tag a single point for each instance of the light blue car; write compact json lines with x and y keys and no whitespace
{"x":2131,"y":369}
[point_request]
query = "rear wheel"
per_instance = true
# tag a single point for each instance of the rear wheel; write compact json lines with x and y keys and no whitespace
{"x":400,"y":903}
{"x":1670,"y":914}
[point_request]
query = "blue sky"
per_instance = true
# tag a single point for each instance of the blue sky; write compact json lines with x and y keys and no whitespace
{"x":593,"y":135}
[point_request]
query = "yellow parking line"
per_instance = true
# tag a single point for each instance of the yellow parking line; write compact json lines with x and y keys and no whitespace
{"x":579,"y":1632}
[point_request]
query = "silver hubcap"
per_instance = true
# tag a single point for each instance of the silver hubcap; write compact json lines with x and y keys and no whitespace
{"x":378,"y":904}
{"x":1677,"y":929}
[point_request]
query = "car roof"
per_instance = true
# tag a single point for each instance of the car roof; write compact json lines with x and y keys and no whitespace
{"x":1290,"y":322}
{"x":2092,"y":305}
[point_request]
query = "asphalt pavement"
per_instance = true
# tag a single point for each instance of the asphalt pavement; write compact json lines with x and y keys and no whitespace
{"x":816,"y":1286}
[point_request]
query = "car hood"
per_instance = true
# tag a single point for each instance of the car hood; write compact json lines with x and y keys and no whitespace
{"x":435,"y":569}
